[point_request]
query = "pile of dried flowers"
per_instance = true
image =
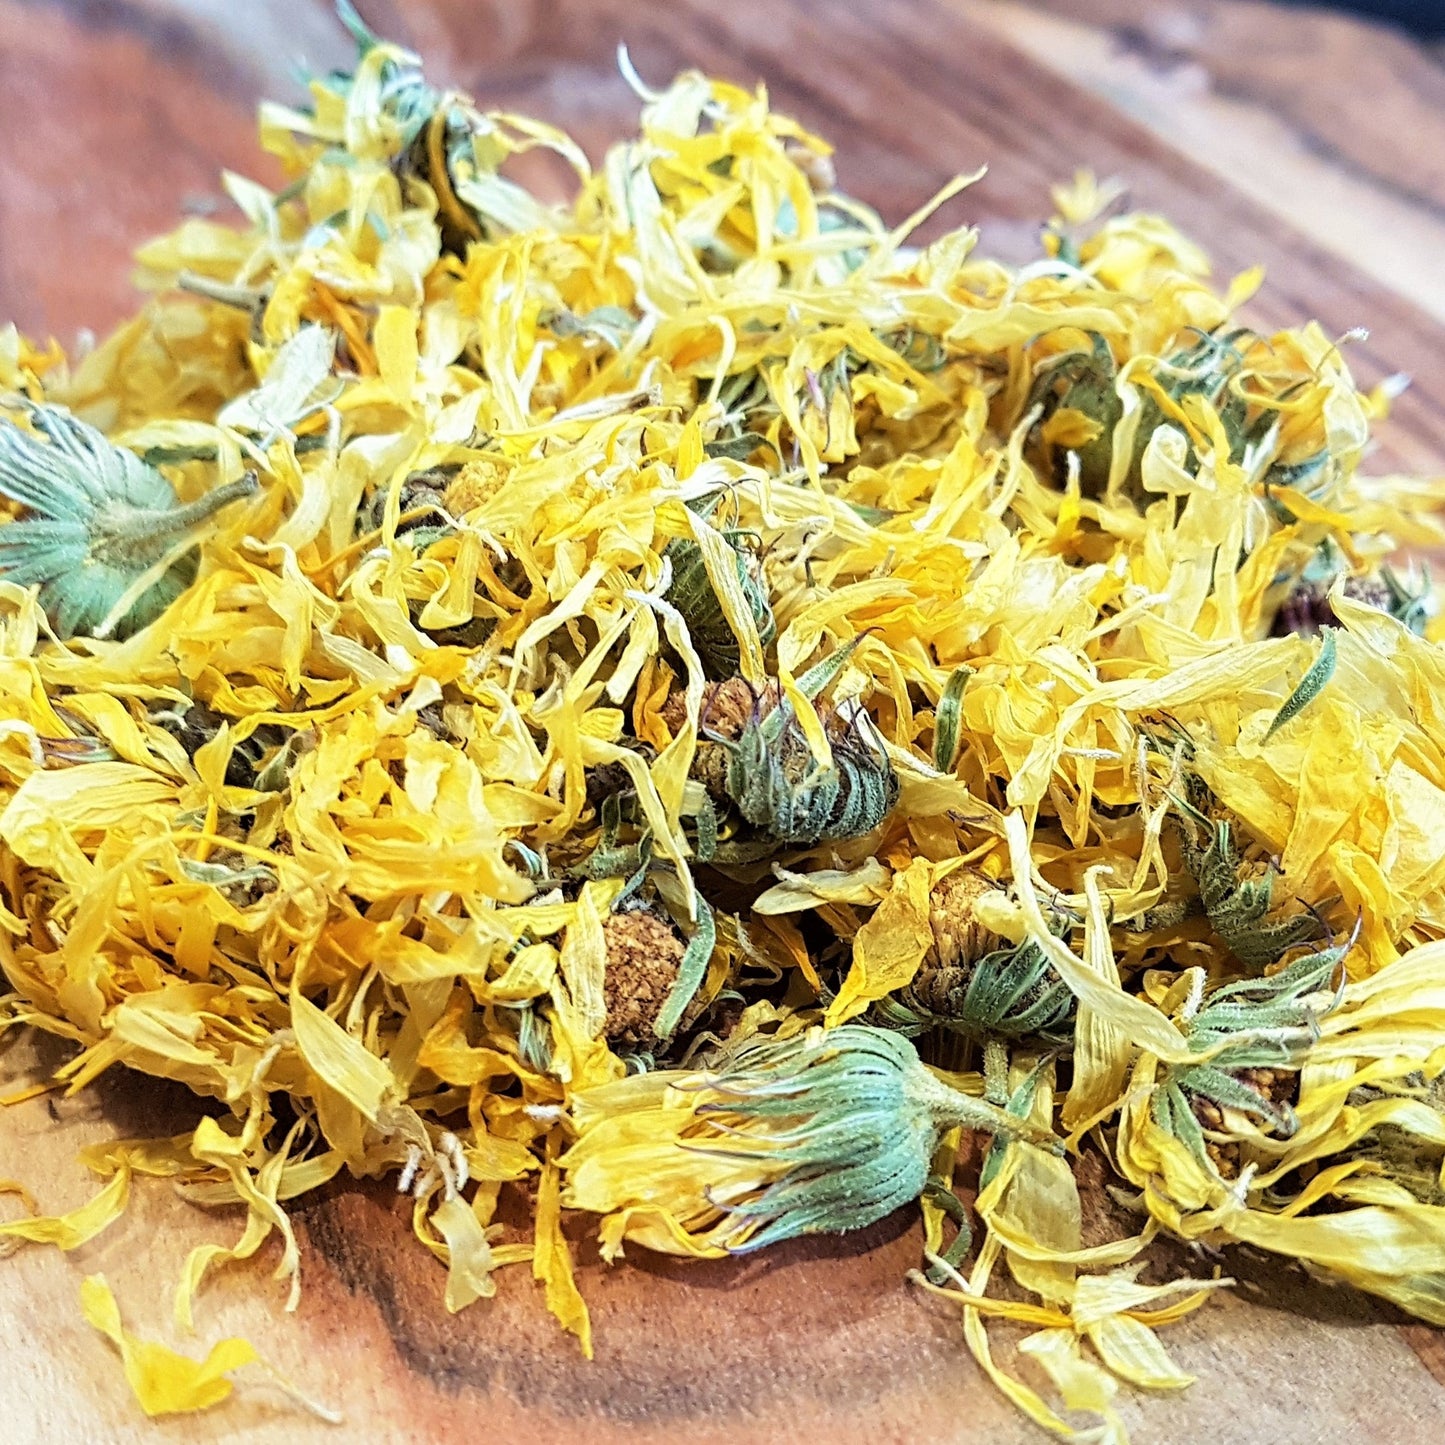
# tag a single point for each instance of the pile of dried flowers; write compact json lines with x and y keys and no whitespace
{"x":685,"y":702}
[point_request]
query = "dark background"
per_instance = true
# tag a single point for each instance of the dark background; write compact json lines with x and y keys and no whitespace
{"x":1424,"y":17}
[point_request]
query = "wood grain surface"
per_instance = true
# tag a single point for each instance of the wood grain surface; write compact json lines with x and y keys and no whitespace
{"x":1311,"y":143}
{"x":1336,"y":125}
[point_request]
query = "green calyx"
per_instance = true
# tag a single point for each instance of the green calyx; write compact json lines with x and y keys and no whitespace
{"x":781,"y":791}
{"x":778,"y":787}
{"x":1011,"y":993}
{"x":1251,"y":1024}
{"x":1239,"y":907}
{"x":692,"y":593}
{"x":100,"y":521}
{"x":853,"y":1115}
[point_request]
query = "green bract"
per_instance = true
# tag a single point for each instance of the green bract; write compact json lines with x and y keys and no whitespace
{"x":856,"y":1117}
{"x":693,"y":595}
{"x":1009,"y":993}
{"x":102,"y":521}
{"x":1264,"y":1023}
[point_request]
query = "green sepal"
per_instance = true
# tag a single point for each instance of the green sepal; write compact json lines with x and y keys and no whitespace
{"x":855,"y":1117}
{"x":101,"y":520}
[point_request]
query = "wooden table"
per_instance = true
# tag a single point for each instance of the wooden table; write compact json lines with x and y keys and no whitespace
{"x":1308,"y":142}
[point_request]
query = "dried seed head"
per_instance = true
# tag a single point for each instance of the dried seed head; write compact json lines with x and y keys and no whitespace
{"x":726,"y":708}
{"x":644,"y":954}
{"x":478,"y":481}
{"x":958,"y":935}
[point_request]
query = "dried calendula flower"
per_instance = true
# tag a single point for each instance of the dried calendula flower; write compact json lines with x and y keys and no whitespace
{"x":825,"y":1132}
{"x":779,"y":786}
{"x":104,"y":535}
{"x":644,"y":955}
{"x":1011,"y":993}
{"x":975,"y":984}
{"x":1239,"y":899}
{"x":855,"y":1118}
{"x":663,"y":613}
{"x":759,"y":760}
{"x":1247,"y":1032}
{"x":776,"y":784}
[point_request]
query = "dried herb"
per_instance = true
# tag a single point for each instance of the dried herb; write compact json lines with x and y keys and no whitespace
{"x":684,"y":641}
{"x":1242,"y":1028}
{"x":105,"y":536}
{"x":851,"y":1119}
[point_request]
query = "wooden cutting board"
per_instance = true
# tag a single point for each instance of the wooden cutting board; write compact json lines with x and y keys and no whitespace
{"x":118,"y":114}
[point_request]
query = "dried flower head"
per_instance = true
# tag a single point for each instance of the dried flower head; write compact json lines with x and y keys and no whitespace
{"x":644,"y":955}
{"x":853,"y":1117}
{"x":1239,"y":898}
{"x":1248,"y":1031}
{"x":105,"y":537}
{"x":975,"y":985}
{"x":1081,"y":404}
{"x":781,"y":790}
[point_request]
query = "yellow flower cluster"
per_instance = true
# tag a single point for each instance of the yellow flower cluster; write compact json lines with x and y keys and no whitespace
{"x":701,"y":548}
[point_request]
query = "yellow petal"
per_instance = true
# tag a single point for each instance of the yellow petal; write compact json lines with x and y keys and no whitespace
{"x":469,"y":1255}
{"x":163,"y":1382}
{"x":890,"y":946}
{"x":552,"y":1262}
{"x":1133,"y":1352}
{"x":339,"y":1060}
{"x":80,"y":1226}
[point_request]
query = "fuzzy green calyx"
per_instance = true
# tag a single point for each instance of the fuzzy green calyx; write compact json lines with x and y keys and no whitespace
{"x":100,"y":520}
{"x":1012,"y":992}
{"x":1241,"y":1029}
{"x":778,"y":788}
{"x":1240,"y":908}
{"x":692,"y":593}
{"x":853,"y":1114}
